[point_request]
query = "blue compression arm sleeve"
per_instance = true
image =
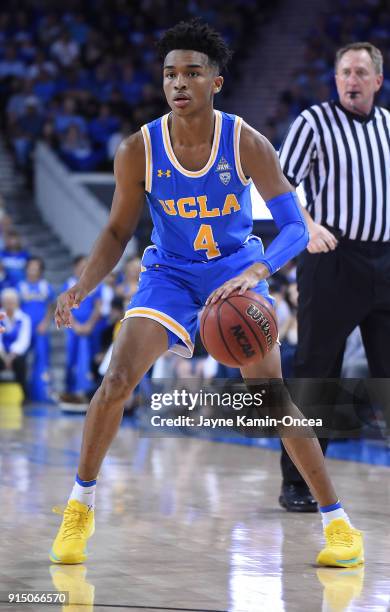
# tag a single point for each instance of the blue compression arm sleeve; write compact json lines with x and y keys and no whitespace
{"x":293,"y":234}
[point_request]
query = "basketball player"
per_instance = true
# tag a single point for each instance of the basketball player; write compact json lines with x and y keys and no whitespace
{"x":195,"y":165}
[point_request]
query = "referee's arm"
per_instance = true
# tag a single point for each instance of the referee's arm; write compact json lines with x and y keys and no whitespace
{"x":296,"y":154}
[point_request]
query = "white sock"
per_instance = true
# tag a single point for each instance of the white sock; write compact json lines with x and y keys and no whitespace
{"x":334,"y":511}
{"x":84,"y":492}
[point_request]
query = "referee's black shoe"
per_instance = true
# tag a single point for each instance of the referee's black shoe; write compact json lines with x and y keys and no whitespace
{"x":297,"y":498}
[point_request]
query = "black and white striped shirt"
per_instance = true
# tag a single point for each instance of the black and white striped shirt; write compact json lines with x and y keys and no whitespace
{"x":343,"y":162}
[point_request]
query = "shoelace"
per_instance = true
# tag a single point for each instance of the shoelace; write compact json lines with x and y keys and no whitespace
{"x":340,"y":537}
{"x":74,"y":522}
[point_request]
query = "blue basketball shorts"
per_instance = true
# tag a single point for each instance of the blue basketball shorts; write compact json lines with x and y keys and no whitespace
{"x":173,"y":290}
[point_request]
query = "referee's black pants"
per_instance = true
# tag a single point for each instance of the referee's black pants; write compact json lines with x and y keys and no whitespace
{"x":338,"y":291}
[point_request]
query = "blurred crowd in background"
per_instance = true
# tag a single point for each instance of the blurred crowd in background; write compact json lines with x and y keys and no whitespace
{"x":83,"y":78}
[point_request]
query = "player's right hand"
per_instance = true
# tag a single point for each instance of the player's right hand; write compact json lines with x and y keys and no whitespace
{"x":67,"y":300}
{"x":321,"y":239}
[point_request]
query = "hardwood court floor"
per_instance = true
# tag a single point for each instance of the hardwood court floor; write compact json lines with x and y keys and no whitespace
{"x":182,"y":524}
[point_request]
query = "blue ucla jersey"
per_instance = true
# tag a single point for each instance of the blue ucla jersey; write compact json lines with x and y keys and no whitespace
{"x":198,"y":215}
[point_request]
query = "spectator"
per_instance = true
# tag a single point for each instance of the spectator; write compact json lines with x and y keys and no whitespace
{"x":102,"y":128}
{"x":77,"y":151}
{"x":45,"y":87}
{"x":37,"y":301}
{"x":49,"y":135}
{"x":103,"y":357}
{"x":128,"y":287}
{"x":21,"y":27}
{"x":20,"y":91}
{"x":103,"y":82}
{"x":107,"y":295}
{"x":93,"y":49}
{"x":27,"y":131}
{"x":289,"y":331}
{"x":65,"y":50}
{"x":27,"y":50}
{"x":41,"y":66}
{"x":14,"y":258}
{"x":118,"y":104}
{"x":116,"y":138}
{"x":78,"y":339}
{"x":131,"y":85}
{"x":49,"y":28}
{"x":15,"y":340}
{"x":67,"y":117}
{"x":281,"y":122}
{"x":109,"y":58}
{"x":4,"y":284}
{"x":74,"y":82}
{"x":198,"y":366}
{"x":109,"y":332}
{"x":78,"y":28}
{"x":10,"y":65}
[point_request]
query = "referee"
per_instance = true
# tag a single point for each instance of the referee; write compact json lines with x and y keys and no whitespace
{"x":340,"y":152}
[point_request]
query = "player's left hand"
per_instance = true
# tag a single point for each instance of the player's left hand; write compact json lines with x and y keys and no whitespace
{"x":244,"y":281}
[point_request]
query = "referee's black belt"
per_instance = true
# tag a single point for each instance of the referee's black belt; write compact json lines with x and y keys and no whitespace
{"x":361,"y":244}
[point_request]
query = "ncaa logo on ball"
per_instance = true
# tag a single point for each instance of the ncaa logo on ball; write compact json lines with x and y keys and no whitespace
{"x":242,"y":340}
{"x":261,"y":321}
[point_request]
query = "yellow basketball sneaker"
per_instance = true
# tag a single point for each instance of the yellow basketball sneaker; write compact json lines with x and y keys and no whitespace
{"x":77,"y":526}
{"x":344,"y":545}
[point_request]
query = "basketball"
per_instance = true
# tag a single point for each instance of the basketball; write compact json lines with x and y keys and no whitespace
{"x":239,"y":330}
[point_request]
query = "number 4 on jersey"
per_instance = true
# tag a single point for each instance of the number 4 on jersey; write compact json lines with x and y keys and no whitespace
{"x":205,"y":241}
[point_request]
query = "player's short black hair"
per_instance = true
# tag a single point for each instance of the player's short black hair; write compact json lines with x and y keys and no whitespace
{"x":196,"y":35}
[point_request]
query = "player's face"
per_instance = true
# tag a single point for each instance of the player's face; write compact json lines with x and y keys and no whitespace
{"x":357,"y":82}
{"x":190,"y":81}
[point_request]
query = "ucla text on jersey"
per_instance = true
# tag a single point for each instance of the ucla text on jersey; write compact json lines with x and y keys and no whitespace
{"x":204,"y":214}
